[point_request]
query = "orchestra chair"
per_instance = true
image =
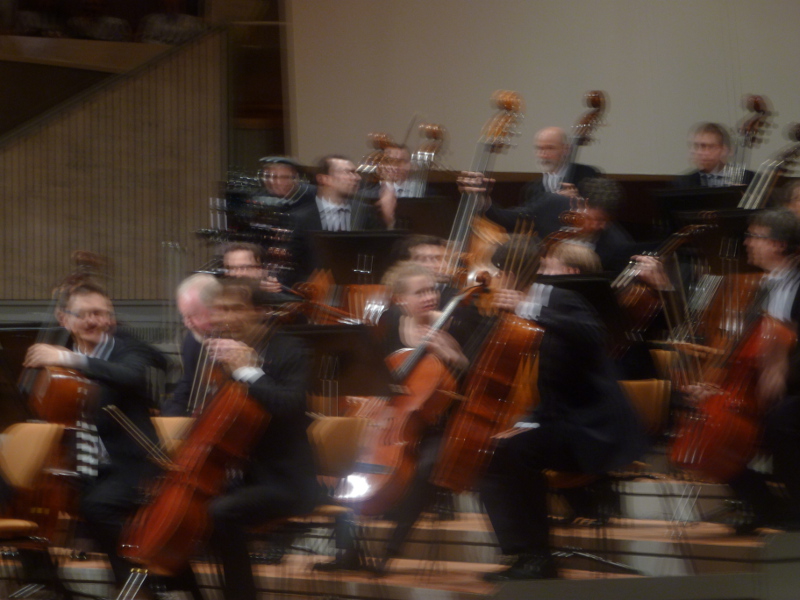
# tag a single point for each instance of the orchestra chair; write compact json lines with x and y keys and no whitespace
{"x":650,"y":399}
{"x":26,"y":450}
{"x":336,"y":443}
{"x":664,"y":361}
{"x":172,"y":432}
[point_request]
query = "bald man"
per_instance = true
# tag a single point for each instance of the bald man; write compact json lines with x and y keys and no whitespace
{"x":545,"y":200}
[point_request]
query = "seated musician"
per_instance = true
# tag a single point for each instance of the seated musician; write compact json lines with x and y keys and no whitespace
{"x":772,"y":242}
{"x":710,"y":149}
{"x":338,"y":207}
{"x":583,"y":423}
{"x":279,"y":480}
{"x":193,"y":297}
{"x":115,"y":468}
{"x":405,"y":325}
{"x":281,"y":183}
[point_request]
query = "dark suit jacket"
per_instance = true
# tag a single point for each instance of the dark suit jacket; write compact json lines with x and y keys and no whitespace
{"x":177,"y":405}
{"x":580,"y":396}
{"x":283,"y":456}
{"x":694,"y":180}
{"x":123,"y":382}
{"x":542,"y":206}
{"x":305,"y":219}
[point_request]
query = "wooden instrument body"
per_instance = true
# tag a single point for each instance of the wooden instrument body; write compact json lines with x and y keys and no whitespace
{"x":487,"y":409}
{"x":720,"y":438}
{"x":168,"y":531}
{"x":60,"y":395}
{"x":386,"y":468}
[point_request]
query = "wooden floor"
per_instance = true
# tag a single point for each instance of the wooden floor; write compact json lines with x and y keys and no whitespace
{"x":684,"y":559}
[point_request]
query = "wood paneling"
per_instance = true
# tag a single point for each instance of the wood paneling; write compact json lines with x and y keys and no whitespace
{"x":120,"y":173}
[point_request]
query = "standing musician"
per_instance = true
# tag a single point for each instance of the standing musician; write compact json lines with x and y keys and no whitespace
{"x":545,"y":200}
{"x":115,"y":468}
{"x":772,"y":241}
{"x":583,"y":423}
{"x":279,"y":481}
{"x":710,"y":149}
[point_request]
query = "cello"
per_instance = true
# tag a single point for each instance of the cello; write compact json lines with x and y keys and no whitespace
{"x":387,"y":465}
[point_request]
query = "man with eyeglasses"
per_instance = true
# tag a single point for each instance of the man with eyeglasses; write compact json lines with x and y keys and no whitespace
{"x":772,"y":242}
{"x":115,"y":468}
{"x":710,"y":150}
{"x":282,"y":184}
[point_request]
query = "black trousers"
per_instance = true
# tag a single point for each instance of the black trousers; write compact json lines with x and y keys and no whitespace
{"x":514,"y":488}
{"x":232,"y":514}
{"x":781,"y":438}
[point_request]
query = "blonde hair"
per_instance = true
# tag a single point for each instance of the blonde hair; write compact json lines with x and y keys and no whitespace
{"x":396,"y":278}
{"x":577,"y":256}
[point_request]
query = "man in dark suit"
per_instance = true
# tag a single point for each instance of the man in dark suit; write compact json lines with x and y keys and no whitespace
{"x":772,"y":241}
{"x":583,"y":424}
{"x":279,"y":480}
{"x":710,"y":150}
{"x":116,"y":468}
{"x":336,"y":208}
{"x":545,"y":200}
{"x":282,"y":184}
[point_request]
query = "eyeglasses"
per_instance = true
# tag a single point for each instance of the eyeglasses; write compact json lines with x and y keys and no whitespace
{"x":85,"y":314}
{"x":757,"y":236}
{"x":240,"y":268}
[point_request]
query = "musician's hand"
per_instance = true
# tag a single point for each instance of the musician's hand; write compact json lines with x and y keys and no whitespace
{"x":695,"y":394}
{"x":444,"y":345}
{"x":46,"y":355}
{"x":651,"y":271}
{"x":387,"y":205}
{"x":570,"y":190}
{"x":507,"y":299}
{"x":472,"y":182}
{"x":270,"y":284}
{"x":232,"y":354}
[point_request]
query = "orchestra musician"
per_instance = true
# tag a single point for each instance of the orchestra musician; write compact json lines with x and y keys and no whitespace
{"x":279,"y":479}
{"x":544,"y":201}
{"x":193,"y":297}
{"x":772,"y":242}
{"x":710,"y":149}
{"x":115,"y":468}
{"x":583,"y":424}
{"x":281,"y":183}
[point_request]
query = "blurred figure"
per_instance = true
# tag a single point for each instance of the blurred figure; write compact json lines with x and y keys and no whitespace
{"x":601,"y":231}
{"x":43,"y":19}
{"x":281,"y":183}
{"x":194,"y":296}
{"x":542,"y":201}
{"x":170,"y":26}
{"x":790,"y":196}
{"x":94,"y":23}
{"x":279,"y":479}
{"x":710,"y":150}
{"x":246,"y":260}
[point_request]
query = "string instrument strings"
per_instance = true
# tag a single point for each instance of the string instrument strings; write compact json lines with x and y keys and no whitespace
{"x":584,"y":128}
{"x":749,"y":134}
{"x":496,"y":136}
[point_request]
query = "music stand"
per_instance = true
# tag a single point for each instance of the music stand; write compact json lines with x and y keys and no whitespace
{"x":348,"y":355}
{"x":354,"y":257}
{"x":673,"y":200}
{"x":723,"y":244}
{"x":431,"y":215}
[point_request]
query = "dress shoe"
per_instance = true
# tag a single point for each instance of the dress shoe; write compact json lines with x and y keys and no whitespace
{"x":346,"y":561}
{"x":526,"y":566}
